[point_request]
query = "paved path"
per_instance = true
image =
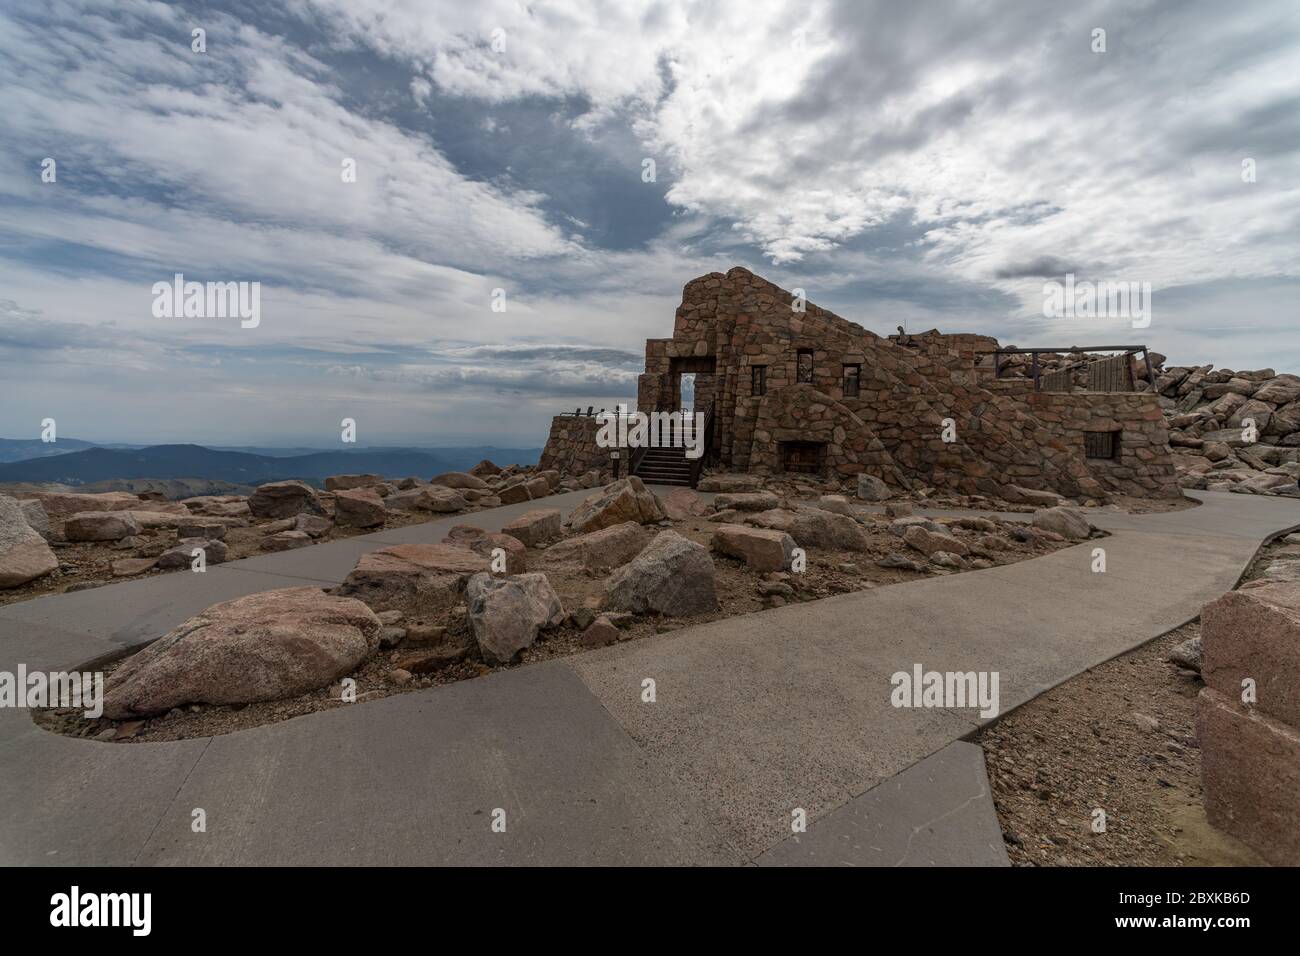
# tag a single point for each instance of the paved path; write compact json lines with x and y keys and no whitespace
{"x":755,"y":719}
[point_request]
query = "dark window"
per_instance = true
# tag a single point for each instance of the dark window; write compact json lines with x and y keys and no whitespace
{"x":1101,"y":444}
{"x":803,"y":457}
{"x":804,"y":368}
{"x":852,"y":378}
{"x":758,"y":379}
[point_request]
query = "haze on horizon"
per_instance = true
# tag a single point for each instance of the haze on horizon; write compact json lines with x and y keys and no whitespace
{"x":914,"y":164}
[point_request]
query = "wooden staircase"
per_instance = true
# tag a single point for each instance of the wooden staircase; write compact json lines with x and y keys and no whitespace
{"x":663,"y":466}
{"x":669,"y":465}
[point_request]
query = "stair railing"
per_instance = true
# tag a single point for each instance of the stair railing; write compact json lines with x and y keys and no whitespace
{"x":697,"y":464}
{"x":634,"y":457}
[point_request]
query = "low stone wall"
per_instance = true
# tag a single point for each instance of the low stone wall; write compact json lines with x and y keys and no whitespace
{"x":571,"y":447}
{"x":1248,"y":717}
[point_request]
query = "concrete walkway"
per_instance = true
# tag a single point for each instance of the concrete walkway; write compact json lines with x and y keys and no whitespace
{"x":756,"y":719}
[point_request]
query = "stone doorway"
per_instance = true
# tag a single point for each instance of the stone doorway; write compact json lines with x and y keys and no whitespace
{"x":686,"y":392}
{"x":701,"y":371}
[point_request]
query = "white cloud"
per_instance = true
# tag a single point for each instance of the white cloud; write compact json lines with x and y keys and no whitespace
{"x":902,"y":165}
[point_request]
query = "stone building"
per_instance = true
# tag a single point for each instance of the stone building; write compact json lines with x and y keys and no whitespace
{"x":791,"y":387}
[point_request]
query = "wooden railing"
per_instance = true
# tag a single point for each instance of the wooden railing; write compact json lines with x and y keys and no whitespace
{"x":1038,"y":375}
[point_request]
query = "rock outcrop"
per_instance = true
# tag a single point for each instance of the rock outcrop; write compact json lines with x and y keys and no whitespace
{"x":1233,"y":431}
{"x":931,"y":543}
{"x":682,"y":503}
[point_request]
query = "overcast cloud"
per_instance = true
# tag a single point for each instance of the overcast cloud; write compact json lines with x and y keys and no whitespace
{"x":919,"y":164}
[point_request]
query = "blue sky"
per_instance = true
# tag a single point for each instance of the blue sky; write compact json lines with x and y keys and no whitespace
{"x":920,"y":164}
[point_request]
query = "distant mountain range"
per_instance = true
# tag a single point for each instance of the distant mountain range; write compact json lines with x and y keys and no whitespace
{"x":21,"y":449}
{"x":92,"y":463}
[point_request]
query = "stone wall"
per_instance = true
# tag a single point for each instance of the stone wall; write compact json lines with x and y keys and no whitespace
{"x":727,"y":325}
{"x":800,"y":413}
{"x":571,"y":447}
{"x":1143,"y":464}
{"x":738,"y":321}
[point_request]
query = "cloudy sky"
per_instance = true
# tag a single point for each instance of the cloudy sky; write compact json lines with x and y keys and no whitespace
{"x":919,"y":164}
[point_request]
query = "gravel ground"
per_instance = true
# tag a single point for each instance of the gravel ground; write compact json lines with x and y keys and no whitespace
{"x":1120,"y":738}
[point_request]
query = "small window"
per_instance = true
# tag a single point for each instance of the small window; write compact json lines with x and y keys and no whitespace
{"x":804,"y":366}
{"x":852,"y":378}
{"x":758,"y":379}
{"x":1101,"y":445}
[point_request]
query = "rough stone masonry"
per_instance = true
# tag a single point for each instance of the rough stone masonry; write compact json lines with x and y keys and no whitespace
{"x":811,"y":392}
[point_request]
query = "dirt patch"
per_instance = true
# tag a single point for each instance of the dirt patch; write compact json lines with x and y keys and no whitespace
{"x":1121,"y":739}
{"x":828,"y":573}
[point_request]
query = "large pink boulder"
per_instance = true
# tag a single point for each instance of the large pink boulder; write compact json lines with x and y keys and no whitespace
{"x":359,"y":508}
{"x":59,"y":504}
{"x":460,"y":480}
{"x":24,"y":555}
{"x":433,"y":498}
{"x":1250,"y":774}
{"x":931,"y":542}
{"x":351,"y":482}
{"x":627,"y":499}
{"x":507,"y":614}
{"x":747,"y":501}
{"x":682,"y":503}
{"x":265,"y":646}
{"x":814,"y":528}
{"x":540,"y":526}
{"x":760,"y":548}
{"x":673,"y":576}
{"x":601,"y":551}
{"x":101,"y":526}
{"x":413,"y":578}
{"x":284,"y":499}
{"x":1255,"y":633}
{"x":488,"y":544}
